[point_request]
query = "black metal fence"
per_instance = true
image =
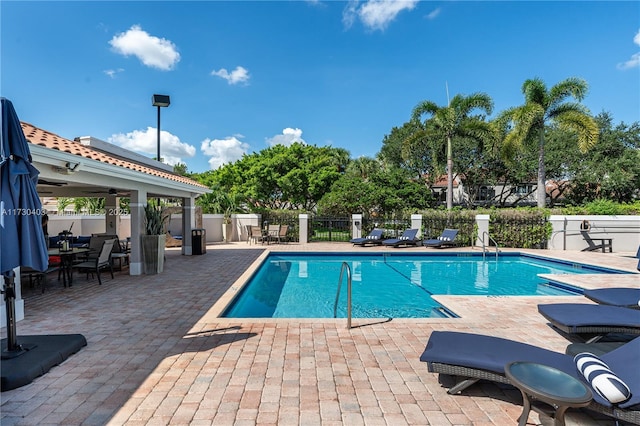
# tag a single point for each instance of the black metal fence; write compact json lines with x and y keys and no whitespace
{"x":520,"y":232}
{"x":290,"y":218}
{"x":509,"y":229}
{"x":325,"y":228}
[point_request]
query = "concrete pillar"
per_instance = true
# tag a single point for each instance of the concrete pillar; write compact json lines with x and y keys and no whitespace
{"x":482,"y":220}
{"x":356,"y":225}
{"x":304,"y":228}
{"x":136,"y":205}
{"x":112,"y":214}
{"x":188,"y":223}
{"x":416,"y":223}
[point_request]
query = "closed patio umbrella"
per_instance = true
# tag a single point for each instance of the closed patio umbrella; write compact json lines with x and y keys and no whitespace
{"x":22,"y":241}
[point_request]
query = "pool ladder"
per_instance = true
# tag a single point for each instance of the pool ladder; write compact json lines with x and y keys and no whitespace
{"x":484,"y":246}
{"x":345,"y":266}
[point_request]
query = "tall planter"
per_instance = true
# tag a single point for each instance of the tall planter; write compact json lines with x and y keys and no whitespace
{"x":227,"y":232}
{"x":153,"y":253}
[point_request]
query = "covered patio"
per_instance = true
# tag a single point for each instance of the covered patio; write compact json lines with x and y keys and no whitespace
{"x":89,"y":167}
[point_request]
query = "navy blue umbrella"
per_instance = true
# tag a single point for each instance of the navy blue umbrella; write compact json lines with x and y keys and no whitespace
{"x":22,"y":241}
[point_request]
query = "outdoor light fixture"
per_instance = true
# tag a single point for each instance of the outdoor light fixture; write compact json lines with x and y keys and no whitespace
{"x":160,"y":101}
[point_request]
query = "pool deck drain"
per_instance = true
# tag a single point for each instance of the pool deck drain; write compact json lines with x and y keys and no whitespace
{"x":158,"y":354}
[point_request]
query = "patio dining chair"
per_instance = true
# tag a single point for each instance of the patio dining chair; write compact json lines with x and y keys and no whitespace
{"x":101,"y":262}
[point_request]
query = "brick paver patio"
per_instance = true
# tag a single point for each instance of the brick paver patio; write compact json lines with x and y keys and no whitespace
{"x":157,"y":354}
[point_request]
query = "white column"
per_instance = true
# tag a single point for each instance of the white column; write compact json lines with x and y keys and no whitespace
{"x":188,"y":224}
{"x":356,"y":225}
{"x":416,"y":223}
{"x":304,"y":228}
{"x":482,"y":220}
{"x":112,"y":214}
{"x":138,"y":201}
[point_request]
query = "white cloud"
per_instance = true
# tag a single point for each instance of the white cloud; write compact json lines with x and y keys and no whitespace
{"x":288,"y":137}
{"x":239,"y":75}
{"x":223,"y":151}
{"x":113,"y":73}
{"x":375,"y":14}
{"x":434,"y":13}
{"x":172,"y":150}
{"x":350,"y":13}
{"x":634,"y":61}
{"x":152,"y":51}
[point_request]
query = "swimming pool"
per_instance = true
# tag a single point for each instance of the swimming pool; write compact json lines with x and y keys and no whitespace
{"x":391,"y":285}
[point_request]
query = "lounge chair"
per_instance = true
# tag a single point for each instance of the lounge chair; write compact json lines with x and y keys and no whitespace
{"x":616,"y":296}
{"x":604,"y":244}
{"x":474,"y":357}
{"x":446,"y":239}
{"x":408,"y":238}
{"x":374,"y":237}
{"x":592,"y":320}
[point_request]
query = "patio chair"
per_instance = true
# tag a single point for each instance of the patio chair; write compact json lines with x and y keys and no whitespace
{"x":255,"y":234}
{"x":101,"y":262}
{"x":282,"y":234}
{"x":616,"y":296}
{"x":374,"y":238}
{"x":408,"y":238}
{"x":473,"y":357}
{"x":604,"y":244}
{"x":591,"y":321}
{"x":446,"y":239}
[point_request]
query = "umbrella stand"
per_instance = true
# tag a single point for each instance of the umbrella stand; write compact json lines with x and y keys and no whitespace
{"x":13,"y":348}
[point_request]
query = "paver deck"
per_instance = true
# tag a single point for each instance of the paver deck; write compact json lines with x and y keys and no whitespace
{"x":157,"y":354}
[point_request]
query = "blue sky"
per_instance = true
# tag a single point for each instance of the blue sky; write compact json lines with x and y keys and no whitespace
{"x":246,"y":75}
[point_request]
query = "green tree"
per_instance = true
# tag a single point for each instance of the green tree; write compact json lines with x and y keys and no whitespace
{"x":452,"y":121}
{"x":180,"y":169}
{"x":543,"y":106}
{"x":280,"y":177}
{"x":381,"y":192}
{"x":611,"y":170}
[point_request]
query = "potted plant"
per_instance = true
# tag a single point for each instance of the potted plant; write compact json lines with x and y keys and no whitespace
{"x":227,"y":228}
{"x":153,"y":242}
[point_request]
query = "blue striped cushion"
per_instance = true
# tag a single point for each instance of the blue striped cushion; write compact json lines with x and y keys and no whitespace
{"x":601,"y":378}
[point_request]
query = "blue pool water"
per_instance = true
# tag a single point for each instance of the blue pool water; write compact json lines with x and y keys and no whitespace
{"x":390,"y":286}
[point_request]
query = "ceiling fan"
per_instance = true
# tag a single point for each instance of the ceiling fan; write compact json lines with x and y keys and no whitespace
{"x":50,"y":183}
{"x":110,"y":191}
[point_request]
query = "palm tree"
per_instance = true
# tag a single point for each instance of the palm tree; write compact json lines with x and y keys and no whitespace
{"x":451,"y":121}
{"x":527,"y":122}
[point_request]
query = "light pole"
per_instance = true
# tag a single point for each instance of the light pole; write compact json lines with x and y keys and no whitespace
{"x":160,"y":101}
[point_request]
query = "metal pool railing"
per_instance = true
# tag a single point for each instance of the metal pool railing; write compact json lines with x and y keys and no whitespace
{"x":345,"y":265}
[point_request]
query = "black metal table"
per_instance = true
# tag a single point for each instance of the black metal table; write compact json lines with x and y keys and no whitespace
{"x":556,"y":388}
{"x":66,"y":260}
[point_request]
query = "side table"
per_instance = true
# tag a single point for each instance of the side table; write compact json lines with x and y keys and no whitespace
{"x":556,"y":388}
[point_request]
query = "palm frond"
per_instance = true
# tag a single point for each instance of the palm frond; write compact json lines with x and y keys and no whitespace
{"x":571,"y":87}
{"x":583,"y":125}
{"x":535,"y":91}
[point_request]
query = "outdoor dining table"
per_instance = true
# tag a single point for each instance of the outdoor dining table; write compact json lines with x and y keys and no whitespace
{"x":66,"y":259}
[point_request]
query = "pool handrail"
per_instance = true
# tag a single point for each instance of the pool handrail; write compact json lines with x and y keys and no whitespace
{"x":344,"y":266}
{"x":484,"y":250}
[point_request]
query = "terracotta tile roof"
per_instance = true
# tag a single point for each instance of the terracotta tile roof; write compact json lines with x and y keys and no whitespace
{"x":50,"y":140}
